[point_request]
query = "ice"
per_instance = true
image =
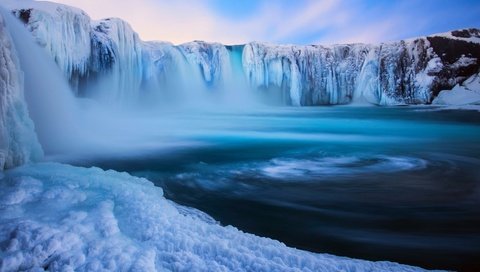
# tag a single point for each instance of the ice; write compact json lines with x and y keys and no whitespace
{"x":213,"y":60}
{"x":386,"y":74}
{"x":119,"y":50}
{"x":473,"y":83}
{"x":466,"y":93}
{"x":18,"y":141}
{"x":121,"y":222}
{"x":62,"y":30}
{"x":106,"y":60}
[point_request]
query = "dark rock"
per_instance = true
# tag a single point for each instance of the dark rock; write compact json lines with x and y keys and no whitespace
{"x":450,"y":51}
{"x":466,"y":33}
{"x":23,"y":14}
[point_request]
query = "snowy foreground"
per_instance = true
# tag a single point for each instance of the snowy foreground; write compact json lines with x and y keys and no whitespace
{"x":65,"y":218}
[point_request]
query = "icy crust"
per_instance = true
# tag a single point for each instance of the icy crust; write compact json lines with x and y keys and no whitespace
{"x":18,"y":141}
{"x":63,"y":218}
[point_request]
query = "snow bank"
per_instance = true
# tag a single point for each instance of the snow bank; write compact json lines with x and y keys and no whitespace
{"x":467,"y":93}
{"x":64,"y":218}
{"x":18,"y":142}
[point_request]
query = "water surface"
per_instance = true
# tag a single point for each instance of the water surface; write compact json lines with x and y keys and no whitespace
{"x":399,"y":184}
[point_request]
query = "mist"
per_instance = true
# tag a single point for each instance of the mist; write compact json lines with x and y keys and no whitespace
{"x":105,"y":122}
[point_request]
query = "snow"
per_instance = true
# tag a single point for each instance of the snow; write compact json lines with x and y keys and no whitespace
{"x":64,"y":218}
{"x":464,"y":62}
{"x":18,"y":142}
{"x":466,"y":93}
{"x":474,"y":35}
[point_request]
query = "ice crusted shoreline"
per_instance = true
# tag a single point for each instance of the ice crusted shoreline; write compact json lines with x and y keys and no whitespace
{"x":64,"y":218}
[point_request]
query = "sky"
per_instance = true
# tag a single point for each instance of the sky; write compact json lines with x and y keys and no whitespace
{"x":286,"y":21}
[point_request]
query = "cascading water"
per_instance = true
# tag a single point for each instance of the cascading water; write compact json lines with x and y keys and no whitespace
{"x":51,"y":103}
{"x":18,"y":141}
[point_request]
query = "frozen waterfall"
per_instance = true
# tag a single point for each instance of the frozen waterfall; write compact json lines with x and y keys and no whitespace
{"x":18,"y":142}
{"x":106,"y":60}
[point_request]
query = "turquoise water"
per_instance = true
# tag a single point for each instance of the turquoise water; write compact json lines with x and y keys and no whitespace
{"x":399,"y":184}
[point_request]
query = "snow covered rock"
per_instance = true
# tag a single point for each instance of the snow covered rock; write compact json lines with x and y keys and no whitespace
{"x":18,"y":141}
{"x":63,"y":218}
{"x":466,"y":93}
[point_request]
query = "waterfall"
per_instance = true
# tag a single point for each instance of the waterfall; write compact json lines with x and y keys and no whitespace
{"x":50,"y":101}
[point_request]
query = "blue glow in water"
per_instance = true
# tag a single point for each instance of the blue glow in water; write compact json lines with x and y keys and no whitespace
{"x":377,"y":183}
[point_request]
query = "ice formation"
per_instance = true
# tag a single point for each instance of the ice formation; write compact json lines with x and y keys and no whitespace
{"x":308,"y":75}
{"x":109,"y":53}
{"x":68,"y":43}
{"x":466,"y":93}
{"x":64,"y":218}
{"x":117,"y":59}
{"x":213,"y":59}
{"x":18,"y":141}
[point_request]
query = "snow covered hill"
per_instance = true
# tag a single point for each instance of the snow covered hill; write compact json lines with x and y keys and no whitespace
{"x":94,"y":54}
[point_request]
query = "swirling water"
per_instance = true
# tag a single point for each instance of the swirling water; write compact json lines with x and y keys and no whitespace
{"x":399,"y":184}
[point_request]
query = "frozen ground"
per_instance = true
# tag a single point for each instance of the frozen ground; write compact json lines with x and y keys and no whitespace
{"x":65,"y":218}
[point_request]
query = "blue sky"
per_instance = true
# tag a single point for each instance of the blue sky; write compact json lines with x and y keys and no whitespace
{"x":286,"y":21}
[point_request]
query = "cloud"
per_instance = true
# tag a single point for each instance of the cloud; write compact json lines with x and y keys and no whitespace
{"x":299,"y":21}
{"x":183,"y":21}
{"x":175,"y":21}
